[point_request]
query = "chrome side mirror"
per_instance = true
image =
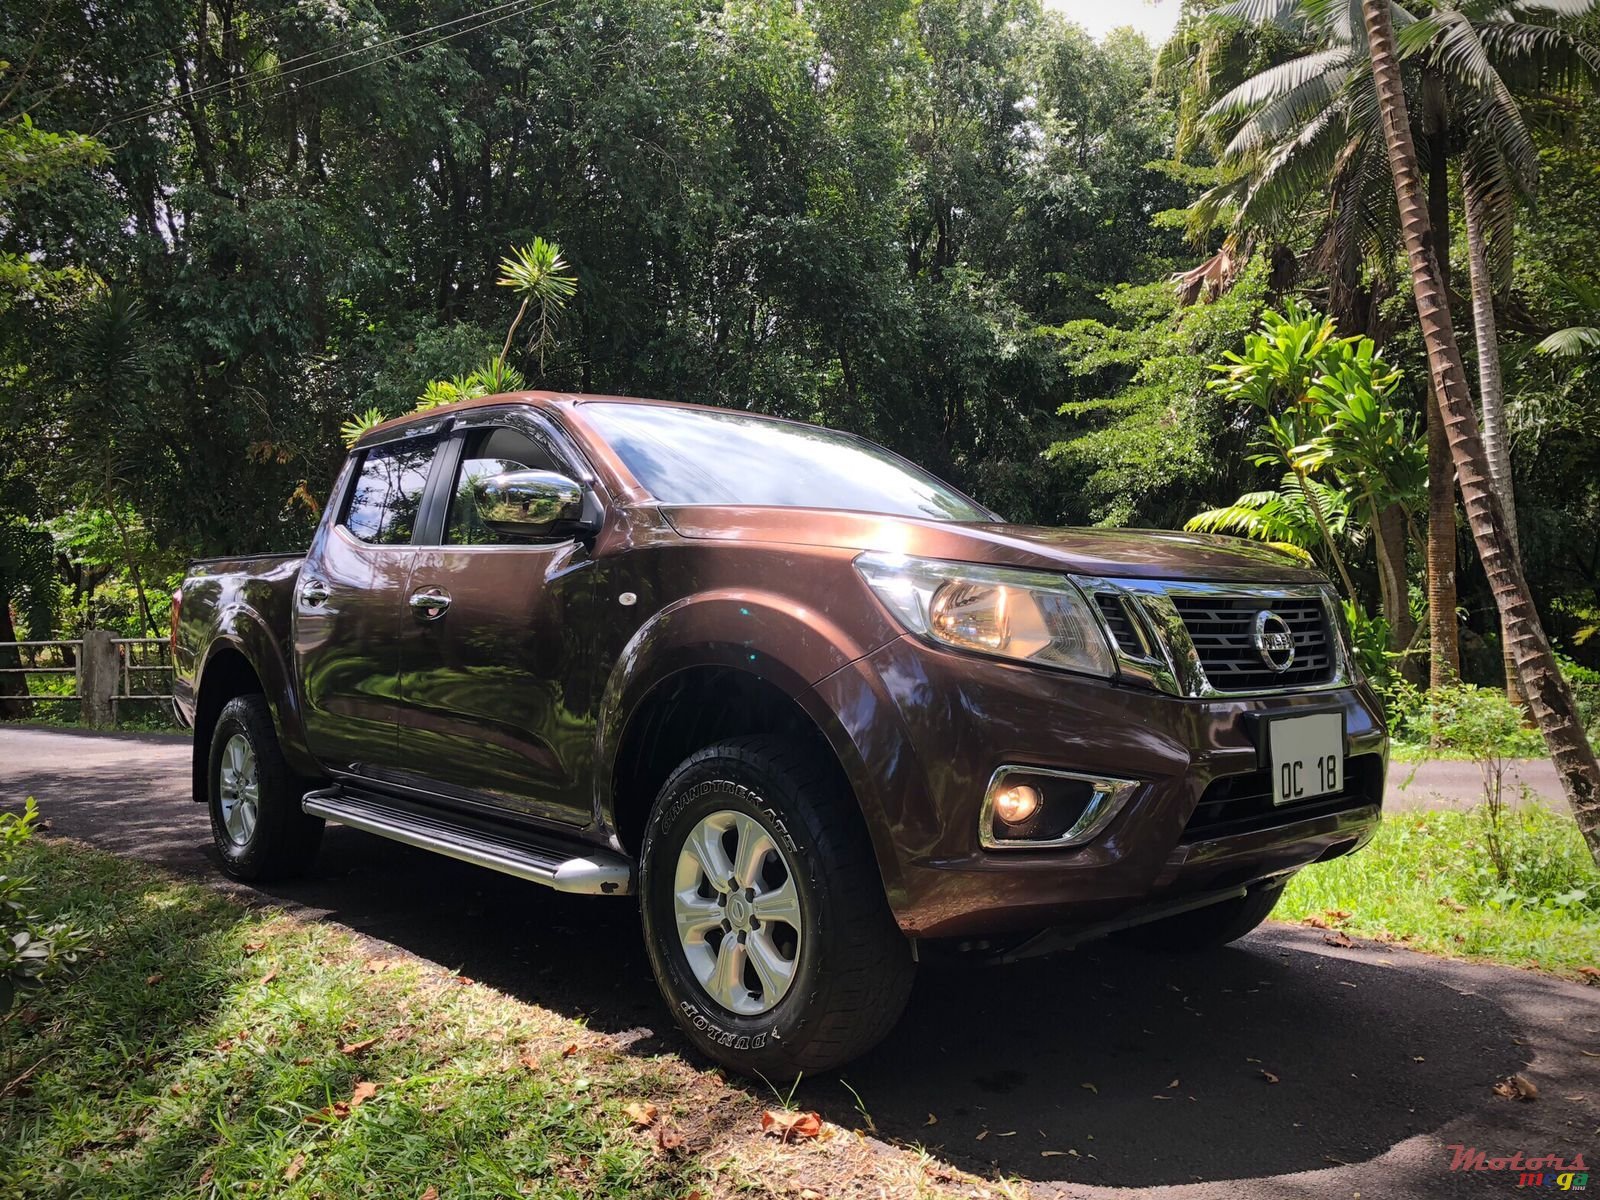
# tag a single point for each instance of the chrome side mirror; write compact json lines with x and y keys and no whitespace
{"x":529,"y":503}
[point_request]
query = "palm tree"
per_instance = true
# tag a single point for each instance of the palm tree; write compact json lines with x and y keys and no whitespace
{"x":1549,"y":696}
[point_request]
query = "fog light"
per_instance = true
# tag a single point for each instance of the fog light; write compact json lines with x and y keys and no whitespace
{"x":1016,"y":804}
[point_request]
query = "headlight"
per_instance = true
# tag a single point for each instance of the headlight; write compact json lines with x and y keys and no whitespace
{"x":1027,"y":615}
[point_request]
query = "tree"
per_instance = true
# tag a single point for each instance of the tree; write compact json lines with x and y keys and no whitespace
{"x":1547,"y":691}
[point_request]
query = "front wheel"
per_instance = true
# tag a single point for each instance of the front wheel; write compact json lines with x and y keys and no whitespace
{"x":257,"y":824}
{"x":763,"y":912}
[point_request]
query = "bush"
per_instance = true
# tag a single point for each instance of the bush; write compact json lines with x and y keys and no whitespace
{"x":31,"y":951}
{"x":1479,"y":723}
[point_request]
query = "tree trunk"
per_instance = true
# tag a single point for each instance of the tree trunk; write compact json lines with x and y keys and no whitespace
{"x":10,"y":684}
{"x":1548,"y":694}
{"x":1444,"y":634}
{"x":1397,"y":610}
{"x":1491,"y":391}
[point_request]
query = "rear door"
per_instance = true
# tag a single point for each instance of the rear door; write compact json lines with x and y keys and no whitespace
{"x":496,"y":682}
{"x":350,"y":601}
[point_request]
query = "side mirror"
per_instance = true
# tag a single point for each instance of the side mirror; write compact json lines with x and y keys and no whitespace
{"x":530,"y":503}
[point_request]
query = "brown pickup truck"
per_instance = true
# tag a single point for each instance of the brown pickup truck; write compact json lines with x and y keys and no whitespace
{"x":825,"y":715}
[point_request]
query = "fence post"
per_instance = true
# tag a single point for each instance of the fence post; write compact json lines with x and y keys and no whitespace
{"x":98,"y":678}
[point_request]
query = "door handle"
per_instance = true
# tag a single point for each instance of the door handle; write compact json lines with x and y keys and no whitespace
{"x":313,"y":592}
{"x":429,"y":604}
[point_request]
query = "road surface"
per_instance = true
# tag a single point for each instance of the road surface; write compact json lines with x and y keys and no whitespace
{"x":1152,"y":1070}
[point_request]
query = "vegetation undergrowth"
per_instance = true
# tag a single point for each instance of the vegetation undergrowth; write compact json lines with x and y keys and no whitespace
{"x":1429,"y":881}
{"x":209,"y":1049}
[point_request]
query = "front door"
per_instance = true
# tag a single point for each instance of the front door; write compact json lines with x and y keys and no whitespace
{"x":495,"y":677}
{"x":348,"y":606}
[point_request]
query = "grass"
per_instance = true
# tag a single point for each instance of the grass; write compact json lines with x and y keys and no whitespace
{"x":209,"y":1049}
{"x":1427,"y":881}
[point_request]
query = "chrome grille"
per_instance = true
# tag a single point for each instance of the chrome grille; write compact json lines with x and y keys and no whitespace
{"x":1222,"y":629}
{"x":1120,"y":623}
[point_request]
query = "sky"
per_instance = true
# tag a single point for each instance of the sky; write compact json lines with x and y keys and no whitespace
{"x":1153,"y":18}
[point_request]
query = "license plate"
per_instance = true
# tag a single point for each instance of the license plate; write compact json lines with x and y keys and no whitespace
{"x":1307,"y":756}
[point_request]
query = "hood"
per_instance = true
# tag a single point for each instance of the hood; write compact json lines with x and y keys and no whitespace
{"x":1124,"y":553}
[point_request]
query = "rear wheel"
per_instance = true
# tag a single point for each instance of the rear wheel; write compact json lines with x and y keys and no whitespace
{"x":1209,"y":927}
{"x":256,"y":822}
{"x":764,"y":917}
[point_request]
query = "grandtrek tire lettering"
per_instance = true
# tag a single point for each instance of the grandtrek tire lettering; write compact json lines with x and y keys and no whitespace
{"x":775,"y":817}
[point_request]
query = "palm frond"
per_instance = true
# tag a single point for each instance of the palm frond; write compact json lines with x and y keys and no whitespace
{"x":1573,"y":342}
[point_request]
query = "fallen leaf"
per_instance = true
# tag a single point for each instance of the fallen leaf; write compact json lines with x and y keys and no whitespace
{"x":292,"y":1171}
{"x":1418,"y":1058}
{"x":981,"y":1135}
{"x":810,"y":1194}
{"x":1091,"y":1087}
{"x":1337,"y":915}
{"x":431,"y":1194}
{"x":205,"y":1176}
{"x":642,"y":1115}
{"x":1589,"y":1054}
{"x":152,"y":980}
{"x":932,"y":1120}
{"x":789,"y":1125}
{"x":1161,"y":1096}
{"x":667,"y":1138}
{"x":1452,"y":904}
{"x":1052,"y":1154}
{"x":1009,"y":1133}
{"x":1314,"y":921}
{"x":1339,"y":938}
{"x":355,"y":1049}
{"x":304,"y":1062}
{"x":269,"y":976}
{"x":1592,"y":973}
{"x":1173,"y":1084}
{"x":1269,"y":1076}
{"x":1516,"y":1087}
{"x":570,"y":1050}
{"x":254,"y":947}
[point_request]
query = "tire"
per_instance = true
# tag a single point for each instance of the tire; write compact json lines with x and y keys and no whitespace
{"x":1207,"y":928}
{"x":833,"y":978}
{"x":275,"y":839}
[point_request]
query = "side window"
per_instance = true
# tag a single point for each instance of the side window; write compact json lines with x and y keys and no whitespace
{"x":489,"y":452}
{"x":388,"y":492}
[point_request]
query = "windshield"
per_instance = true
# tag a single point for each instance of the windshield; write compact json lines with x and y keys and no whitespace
{"x":712,"y":456}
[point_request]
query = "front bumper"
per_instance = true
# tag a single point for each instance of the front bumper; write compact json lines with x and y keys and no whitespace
{"x":921,"y":730}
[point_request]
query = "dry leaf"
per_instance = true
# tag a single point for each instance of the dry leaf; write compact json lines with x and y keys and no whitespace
{"x":1173,"y":1084}
{"x":255,"y":947}
{"x":1052,"y":1154}
{"x":642,"y":1115}
{"x":1269,"y":1076}
{"x":1091,"y":1087}
{"x":667,"y":1138}
{"x":1339,"y":938}
{"x":269,"y":976}
{"x":1314,"y":921}
{"x":982,"y":1134}
{"x":365,"y":1091}
{"x":354,"y":1049}
{"x":431,"y":1194}
{"x":1591,"y":973}
{"x":810,"y":1194}
{"x":570,"y":1050}
{"x":1452,"y":904}
{"x":1517,"y":1087}
{"x":152,"y":980}
{"x":789,"y":1126}
{"x":205,"y":1176}
{"x":932,"y":1120}
{"x":292,"y":1171}
{"x":1589,"y":1054}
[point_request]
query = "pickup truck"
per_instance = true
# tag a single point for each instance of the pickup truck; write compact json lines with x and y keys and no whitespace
{"x":825,"y":716}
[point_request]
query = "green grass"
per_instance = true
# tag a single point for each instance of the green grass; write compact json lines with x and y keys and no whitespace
{"x":211,"y":1049}
{"x":1427,"y":881}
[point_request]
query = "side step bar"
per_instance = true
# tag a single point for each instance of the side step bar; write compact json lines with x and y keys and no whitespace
{"x":588,"y":870}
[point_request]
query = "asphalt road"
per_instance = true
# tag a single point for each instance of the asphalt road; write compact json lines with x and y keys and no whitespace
{"x":1095,"y":1072}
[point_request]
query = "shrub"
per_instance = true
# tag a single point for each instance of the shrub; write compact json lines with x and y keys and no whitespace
{"x":32,"y":952}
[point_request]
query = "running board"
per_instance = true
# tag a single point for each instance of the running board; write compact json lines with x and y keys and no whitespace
{"x":591,"y":871}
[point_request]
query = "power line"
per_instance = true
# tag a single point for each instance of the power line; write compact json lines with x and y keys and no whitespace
{"x":319,"y":60}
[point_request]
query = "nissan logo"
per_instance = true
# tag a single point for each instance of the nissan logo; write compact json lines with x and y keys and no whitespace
{"x":1274,"y":641}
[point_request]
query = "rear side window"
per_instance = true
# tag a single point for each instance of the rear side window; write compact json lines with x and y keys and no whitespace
{"x":388,"y":490}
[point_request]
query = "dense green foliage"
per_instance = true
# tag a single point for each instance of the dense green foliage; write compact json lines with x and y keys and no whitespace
{"x":946,"y":224}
